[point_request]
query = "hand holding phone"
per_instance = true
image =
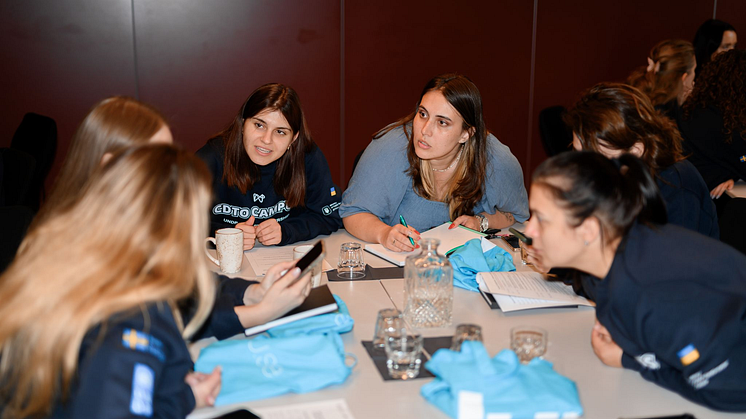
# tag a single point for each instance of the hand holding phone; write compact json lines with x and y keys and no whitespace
{"x":311,"y":259}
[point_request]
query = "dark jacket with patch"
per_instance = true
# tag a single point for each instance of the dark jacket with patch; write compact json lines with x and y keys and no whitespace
{"x":131,"y":367}
{"x":318,"y":216}
{"x":675,"y":302}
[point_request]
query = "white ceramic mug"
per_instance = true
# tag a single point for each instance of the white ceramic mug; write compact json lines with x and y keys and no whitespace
{"x":299,"y":252}
{"x":229,"y":244}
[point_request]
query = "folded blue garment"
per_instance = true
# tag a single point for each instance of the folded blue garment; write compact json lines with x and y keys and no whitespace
{"x":337,"y":321}
{"x":265,"y":367}
{"x":507,"y":388}
{"x":468,"y":260}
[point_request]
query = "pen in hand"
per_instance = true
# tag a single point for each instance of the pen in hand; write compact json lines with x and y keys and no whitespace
{"x":404,"y":223}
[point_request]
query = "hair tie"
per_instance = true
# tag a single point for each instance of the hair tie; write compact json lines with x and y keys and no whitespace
{"x":653,"y":66}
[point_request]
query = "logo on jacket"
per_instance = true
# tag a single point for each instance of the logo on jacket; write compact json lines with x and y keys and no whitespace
{"x":648,"y":361}
{"x":688,"y":355}
{"x":258,"y":197}
{"x":329,"y":209}
{"x":743,"y":159}
{"x":143,"y":342}
{"x":246,"y":212}
{"x":333,"y":191}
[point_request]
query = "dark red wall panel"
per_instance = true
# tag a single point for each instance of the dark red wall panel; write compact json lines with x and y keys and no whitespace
{"x":734,"y":12}
{"x":198,"y":61}
{"x":59,"y":59}
{"x":393,"y":48}
{"x":580,"y":43}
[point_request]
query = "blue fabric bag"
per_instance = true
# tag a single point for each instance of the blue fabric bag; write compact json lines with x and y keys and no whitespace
{"x":506,"y":387}
{"x":265,"y":367}
{"x":469,"y":259}
{"x":337,"y":321}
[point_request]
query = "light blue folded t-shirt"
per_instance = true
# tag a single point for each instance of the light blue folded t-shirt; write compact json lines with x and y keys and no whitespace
{"x":469,"y":259}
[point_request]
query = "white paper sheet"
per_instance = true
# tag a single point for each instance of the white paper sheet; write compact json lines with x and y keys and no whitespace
{"x":527,"y":285}
{"x":263,"y":258}
{"x":327,"y":409}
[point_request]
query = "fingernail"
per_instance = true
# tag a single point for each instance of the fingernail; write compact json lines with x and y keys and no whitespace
{"x":451,"y":226}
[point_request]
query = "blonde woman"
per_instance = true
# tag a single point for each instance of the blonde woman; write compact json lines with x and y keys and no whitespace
{"x":90,"y":322}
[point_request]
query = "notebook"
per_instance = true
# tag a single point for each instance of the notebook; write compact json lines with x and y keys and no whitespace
{"x":514,"y":291}
{"x":319,"y":301}
{"x":450,"y":239}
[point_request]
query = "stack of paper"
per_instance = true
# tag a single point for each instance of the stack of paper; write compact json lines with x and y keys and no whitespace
{"x":449,"y":240}
{"x":526,"y":290}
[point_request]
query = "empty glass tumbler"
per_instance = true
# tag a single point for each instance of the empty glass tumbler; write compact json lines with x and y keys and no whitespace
{"x":428,"y":292}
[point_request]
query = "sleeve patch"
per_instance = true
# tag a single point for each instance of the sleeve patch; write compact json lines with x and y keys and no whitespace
{"x":143,"y":342}
{"x":141,"y":402}
{"x":333,"y":191}
{"x":688,"y":355}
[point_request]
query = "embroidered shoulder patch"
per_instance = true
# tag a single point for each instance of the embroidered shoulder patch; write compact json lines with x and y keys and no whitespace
{"x":333,"y":191}
{"x":648,"y":361}
{"x":141,"y":401}
{"x":143,"y":342}
{"x":688,"y":354}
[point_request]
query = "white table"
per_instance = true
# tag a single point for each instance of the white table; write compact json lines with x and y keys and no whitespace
{"x":605,"y":392}
{"x":739,"y":190}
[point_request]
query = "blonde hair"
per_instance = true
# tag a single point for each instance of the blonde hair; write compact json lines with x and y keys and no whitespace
{"x":112,"y":124}
{"x":134,"y":237}
{"x":661,"y":80}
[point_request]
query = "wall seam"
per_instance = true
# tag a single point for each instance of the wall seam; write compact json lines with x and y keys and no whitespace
{"x":526,"y":169}
{"x":134,"y":52}
{"x":715,"y":10}
{"x":343,"y":176}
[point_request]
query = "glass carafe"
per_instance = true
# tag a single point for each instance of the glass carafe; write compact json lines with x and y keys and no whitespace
{"x":428,"y":288}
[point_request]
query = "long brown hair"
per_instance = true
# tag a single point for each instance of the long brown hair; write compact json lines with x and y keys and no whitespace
{"x":134,"y":237}
{"x":465,"y":189}
{"x":616,"y":116}
{"x":290,"y":174}
{"x":662,"y":81}
{"x":722,"y":85}
{"x":112,"y":124}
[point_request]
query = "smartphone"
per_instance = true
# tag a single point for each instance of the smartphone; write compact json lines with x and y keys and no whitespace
{"x":512,"y":241}
{"x":311,"y":259}
{"x":239,"y":414}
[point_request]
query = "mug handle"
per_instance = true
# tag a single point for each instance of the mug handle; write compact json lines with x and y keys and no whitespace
{"x":211,"y":239}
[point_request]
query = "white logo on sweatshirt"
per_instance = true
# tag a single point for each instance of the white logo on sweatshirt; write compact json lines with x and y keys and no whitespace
{"x":648,"y":361}
{"x":259,"y":198}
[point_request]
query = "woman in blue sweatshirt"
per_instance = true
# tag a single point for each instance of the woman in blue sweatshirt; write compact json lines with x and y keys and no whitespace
{"x":670,"y":303}
{"x":269,"y":178}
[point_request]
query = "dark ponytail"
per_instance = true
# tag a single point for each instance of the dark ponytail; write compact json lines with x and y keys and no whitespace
{"x":617,"y":192}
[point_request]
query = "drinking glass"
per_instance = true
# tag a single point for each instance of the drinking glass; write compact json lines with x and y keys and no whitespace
{"x":351,"y":263}
{"x":528,"y":342}
{"x":389,"y":322}
{"x":466,"y":332}
{"x":403,"y":355}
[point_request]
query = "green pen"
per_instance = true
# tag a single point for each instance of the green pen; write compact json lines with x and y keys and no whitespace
{"x":404,"y":223}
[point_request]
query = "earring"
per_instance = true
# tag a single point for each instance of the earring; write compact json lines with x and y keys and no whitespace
{"x":288,"y":147}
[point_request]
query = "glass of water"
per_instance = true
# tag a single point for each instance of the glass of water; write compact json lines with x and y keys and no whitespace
{"x":351,"y":263}
{"x":389,"y":321}
{"x":528,"y":342}
{"x":465,"y":332}
{"x":403,"y":355}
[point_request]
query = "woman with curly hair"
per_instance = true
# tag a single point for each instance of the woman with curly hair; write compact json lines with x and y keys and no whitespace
{"x":714,"y":123}
{"x":668,"y":77}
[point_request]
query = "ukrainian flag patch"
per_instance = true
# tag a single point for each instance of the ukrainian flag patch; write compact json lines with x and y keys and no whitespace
{"x":143,"y":342}
{"x":688,"y":355}
{"x":333,"y":191}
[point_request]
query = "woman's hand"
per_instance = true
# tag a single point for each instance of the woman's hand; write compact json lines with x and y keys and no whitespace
{"x":469,"y":221}
{"x":396,"y":238}
{"x":269,"y":232}
{"x":604,"y":346}
{"x":721,"y":188}
{"x":205,"y":387}
{"x":284,"y":292}
{"x":249,"y":233}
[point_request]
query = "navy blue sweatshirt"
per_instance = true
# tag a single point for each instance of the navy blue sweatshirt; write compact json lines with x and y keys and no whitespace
{"x":675,"y":302}
{"x":688,"y":202}
{"x":132,"y":367}
{"x":318,"y":216}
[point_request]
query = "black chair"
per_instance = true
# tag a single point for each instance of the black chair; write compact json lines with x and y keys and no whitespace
{"x":555,"y":135}
{"x":14,"y":221}
{"x":37,"y":136}
{"x":16,"y":174}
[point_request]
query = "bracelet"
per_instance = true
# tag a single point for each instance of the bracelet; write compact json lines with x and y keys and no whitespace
{"x":484,"y":223}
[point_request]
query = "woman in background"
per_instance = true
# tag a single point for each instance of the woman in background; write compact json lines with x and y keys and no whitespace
{"x":670,"y":303}
{"x":669,"y":76}
{"x":613,"y":119}
{"x":266,"y":169}
{"x":713,"y":37}
{"x":435,"y":165}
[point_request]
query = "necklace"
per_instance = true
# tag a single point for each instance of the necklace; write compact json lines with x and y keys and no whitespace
{"x":452,"y":163}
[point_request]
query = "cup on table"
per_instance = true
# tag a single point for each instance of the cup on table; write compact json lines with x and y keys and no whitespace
{"x":351,"y":263}
{"x":466,"y":332}
{"x":403,"y":355}
{"x":389,"y":322}
{"x":299,"y":252}
{"x":229,"y":245}
{"x":528,"y":342}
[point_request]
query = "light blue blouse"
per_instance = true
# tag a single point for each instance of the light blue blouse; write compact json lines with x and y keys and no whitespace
{"x":381,"y":187}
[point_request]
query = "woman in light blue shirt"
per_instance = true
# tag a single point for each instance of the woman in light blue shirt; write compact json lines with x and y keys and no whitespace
{"x":435,"y":165}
